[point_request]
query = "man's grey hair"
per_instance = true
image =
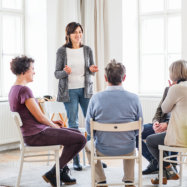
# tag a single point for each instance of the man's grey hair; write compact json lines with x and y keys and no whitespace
{"x":115,"y":72}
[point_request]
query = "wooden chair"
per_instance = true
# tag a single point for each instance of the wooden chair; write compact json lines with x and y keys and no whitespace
{"x":36,"y":152}
{"x":120,"y":127}
{"x":50,"y":108}
{"x":182,"y":153}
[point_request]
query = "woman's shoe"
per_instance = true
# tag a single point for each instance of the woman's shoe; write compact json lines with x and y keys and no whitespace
{"x":65,"y":178}
{"x":50,"y":177}
{"x":156,"y":180}
{"x":164,"y":179}
{"x":171,"y":173}
{"x":76,"y":163}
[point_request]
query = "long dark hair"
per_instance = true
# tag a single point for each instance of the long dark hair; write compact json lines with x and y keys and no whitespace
{"x":70,"y":28}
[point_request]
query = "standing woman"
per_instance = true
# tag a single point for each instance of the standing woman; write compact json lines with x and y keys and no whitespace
{"x":74,"y":67}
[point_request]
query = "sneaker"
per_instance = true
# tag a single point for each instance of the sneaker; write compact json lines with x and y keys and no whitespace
{"x":152,"y":168}
{"x":103,"y":182}
{"x":175,"y":167}
{"x":129,"y":185}
{"x":65,"y":178}
{"x":50,"y":177}
{"x":171,"y":173}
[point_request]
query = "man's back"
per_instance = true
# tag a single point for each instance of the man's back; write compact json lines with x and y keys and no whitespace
{"x":114,"y":105}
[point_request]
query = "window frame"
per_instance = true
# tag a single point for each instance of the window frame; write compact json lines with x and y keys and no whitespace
{"x":13,"y":12}
{"x":165,"y":14}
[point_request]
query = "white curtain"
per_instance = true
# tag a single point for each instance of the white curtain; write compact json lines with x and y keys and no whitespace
{"x":95,"y":23}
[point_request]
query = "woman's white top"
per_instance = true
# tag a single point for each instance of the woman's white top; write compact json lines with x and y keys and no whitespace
{"x":75,"y":60}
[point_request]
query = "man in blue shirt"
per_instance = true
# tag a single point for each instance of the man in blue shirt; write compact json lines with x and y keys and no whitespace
{"x":114,"y":105}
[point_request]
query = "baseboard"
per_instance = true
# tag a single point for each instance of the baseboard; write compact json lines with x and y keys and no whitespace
{"x":5,"y":147}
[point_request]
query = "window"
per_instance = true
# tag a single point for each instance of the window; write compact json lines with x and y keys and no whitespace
{"x":159,"y":42}
{"x":11,"y":40}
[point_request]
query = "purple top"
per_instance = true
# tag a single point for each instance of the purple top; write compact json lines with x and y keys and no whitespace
{"x":17,"y":97}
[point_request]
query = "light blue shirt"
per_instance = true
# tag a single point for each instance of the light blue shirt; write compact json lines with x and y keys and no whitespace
{"x":114,"y":105}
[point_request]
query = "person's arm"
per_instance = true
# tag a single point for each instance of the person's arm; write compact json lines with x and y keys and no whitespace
{"x":89,"y":115}
{"x":92,"y":68}
{"x":171,"y":99}
{"x":60,"y":73}
{"x":158,"y":115}
{"x":139,"y":114}
{"x":37,"y":113}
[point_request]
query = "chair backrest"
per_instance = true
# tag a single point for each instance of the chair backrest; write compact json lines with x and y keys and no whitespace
{"x":18,"y":124}
{"x":51,"y":107}
{"x":117,"y":127}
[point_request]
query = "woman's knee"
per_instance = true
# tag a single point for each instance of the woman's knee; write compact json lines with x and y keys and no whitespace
{"x":149,"y":140}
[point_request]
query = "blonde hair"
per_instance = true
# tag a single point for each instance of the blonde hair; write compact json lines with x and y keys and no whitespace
{"x":178,"y":70}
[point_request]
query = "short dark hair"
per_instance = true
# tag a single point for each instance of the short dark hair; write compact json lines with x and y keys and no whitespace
{"x":115,"y":72}
{"x":20,"y":65}
{"x":70,"y":29}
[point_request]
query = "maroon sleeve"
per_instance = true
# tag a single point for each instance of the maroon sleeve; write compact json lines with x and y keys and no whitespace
{"x":24,"y":94}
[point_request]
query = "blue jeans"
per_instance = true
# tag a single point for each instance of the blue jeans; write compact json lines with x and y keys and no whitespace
{"x":76,"y":98}
{"x":148,"y":130}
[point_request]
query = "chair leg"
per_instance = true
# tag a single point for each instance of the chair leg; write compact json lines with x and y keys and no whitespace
{"x":48,"y":157}
{"x":160,"y":167}
{"x":181,"y":168}
{"x":140,"y":172}
{"x":93,"y":171}
{"x":20,"y":168}
{"x":84,"y":158}
{"x":57,"y":168}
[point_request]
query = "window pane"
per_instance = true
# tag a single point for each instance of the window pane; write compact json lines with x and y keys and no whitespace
{"x":174,"y":4}
{"x":12,"y":34}
{"x":174,"y":34}
{"x":151,"y":5}
{"x":8,"y":76}
{"x":152,"y":32}
{"x":12,"y":4}
{"x":152,"y":74}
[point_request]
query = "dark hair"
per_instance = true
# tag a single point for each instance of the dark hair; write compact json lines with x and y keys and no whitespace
{"x":70,"y":29}
{"x":115,"y":72}
{"x":20,"y":65}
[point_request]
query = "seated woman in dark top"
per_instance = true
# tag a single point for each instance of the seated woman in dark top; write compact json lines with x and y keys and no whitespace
{"x":37,"y":129}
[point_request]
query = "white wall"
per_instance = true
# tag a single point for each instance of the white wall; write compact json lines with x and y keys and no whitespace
{"x":184,"y":29}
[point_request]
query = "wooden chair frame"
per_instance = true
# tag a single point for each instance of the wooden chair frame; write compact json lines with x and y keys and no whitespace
{"x":120,"y":127}
{"x":26,"y":150}
{"x":182,"y":153}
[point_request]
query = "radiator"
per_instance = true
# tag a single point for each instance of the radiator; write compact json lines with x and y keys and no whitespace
{"x":8,"y":132}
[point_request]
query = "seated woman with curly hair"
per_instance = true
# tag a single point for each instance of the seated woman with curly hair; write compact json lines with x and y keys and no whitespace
{"x":37,"y":129}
